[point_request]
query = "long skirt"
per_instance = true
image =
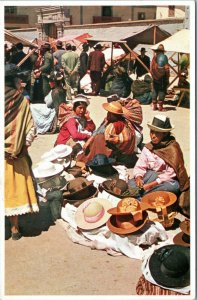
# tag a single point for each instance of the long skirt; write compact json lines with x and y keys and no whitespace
{"x":20,"y":196}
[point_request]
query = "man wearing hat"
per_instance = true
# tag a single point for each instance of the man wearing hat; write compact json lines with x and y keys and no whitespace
{"x":70,"y":64}
{"x":96,"y":62}
{"x":83,"y":62}
{"x":160,"y":72}
{"x":57,"y":55}
{"x":138,"y":67}
{"x":160,"y":166}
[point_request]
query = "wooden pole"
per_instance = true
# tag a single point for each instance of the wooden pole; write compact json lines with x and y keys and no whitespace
{"x":111,"y":53}
{"x":25,"y":58}
{"x":154,"y":35}
{"x":137,"y":57}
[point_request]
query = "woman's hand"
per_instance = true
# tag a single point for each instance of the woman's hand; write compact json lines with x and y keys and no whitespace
{"x":139,"y":182}
{"x":149,"y":186}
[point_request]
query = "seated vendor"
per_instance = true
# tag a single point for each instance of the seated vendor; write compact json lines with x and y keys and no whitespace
{"x":161,"y":164}
{"x":77,"y":126}
{"x":117,"y":136}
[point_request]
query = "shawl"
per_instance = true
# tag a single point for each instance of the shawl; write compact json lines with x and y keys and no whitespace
{"x":158,"y":72}
{"x":18,"y":121}
{"x":170,"y":151}
{"x":132,"y":110}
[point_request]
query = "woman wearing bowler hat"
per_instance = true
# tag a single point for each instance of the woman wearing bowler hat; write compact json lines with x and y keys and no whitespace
{"x":160,"y":166}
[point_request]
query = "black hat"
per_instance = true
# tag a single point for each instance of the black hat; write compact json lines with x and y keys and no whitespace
{"x":161,"y":123}
{"x":170,"y":266}
{"x":101,"y":165}
{"x":143,"y":49}
{"x":46,"y":46}
{"x":98,"y":46}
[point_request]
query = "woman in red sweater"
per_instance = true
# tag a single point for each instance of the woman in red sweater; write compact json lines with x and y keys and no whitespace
{"x":78,"y":126}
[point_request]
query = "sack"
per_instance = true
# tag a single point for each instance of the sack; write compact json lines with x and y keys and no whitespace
{"x":55,"y":199}
{"x":48,"y":100}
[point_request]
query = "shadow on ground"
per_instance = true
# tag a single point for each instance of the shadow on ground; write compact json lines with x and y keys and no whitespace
{"x":32,"y":224}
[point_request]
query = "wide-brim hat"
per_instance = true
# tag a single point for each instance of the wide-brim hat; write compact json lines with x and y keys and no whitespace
{"x":62,"y":150}
{"x":79,"y":216}
{"x":49,"y":156}
{"x":160,"y":48}
{"x":128,"y":205}
{"x":47,"y":169}
{"x":116,"y":187}
{"x":114,"y":107}
{"x":91,"y":192}
{"x":59,"y":43}
{"x":161,"y":123}
{"x":100,"y":160}
{"x":143,"y":49}
{"x":78,"y":188}
{"x":125,"y":224}
{"x":182,"y":239}
{"x":159,"y":199}
{"x":170,"y":266}
{"x":98,"y":46}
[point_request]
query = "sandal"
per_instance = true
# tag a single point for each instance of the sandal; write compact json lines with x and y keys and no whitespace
{"x":16,"y":236}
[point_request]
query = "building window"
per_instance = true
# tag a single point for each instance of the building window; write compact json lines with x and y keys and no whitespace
{"x":141,"y":16}
{"x":171,"y":11}
{"x":106,"y":11}
{"x":10,"y":10}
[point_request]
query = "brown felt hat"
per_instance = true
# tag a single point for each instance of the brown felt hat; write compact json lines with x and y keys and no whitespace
{"x":159,"y":199}
{"x":125,"y":224}
{"x":91,"y":192}
{"x":78,"y":188}
{"x":183,"y":237}
{"x":116,"y":187}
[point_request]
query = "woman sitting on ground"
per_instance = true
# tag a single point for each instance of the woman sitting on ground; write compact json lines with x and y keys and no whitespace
{"x":117,"y":136}
{"x":160,"y":166}
{"x":77,"y":126}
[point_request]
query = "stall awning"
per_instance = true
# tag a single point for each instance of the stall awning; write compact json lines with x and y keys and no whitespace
{"x":14,"y":39}
{"x":178,"y":42}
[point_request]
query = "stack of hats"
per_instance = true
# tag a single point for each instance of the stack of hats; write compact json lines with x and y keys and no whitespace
{"x":60,"y":154}
{"x":162,"y":203}
{"x":129,"y":216}
{"x":78,"y":191}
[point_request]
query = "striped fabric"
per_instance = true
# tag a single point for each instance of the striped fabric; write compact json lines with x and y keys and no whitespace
{"x":144,"y":287}
{"x":125,"y":140}
{"x":18,"y":121}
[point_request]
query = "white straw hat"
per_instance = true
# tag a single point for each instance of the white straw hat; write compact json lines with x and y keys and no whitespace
{"x":47,"y":169}
{"x":62,"y":150}
{"x":49,"y":156}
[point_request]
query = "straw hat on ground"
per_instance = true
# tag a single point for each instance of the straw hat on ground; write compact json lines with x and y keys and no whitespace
{"x":183,"y":237}
{"x":47,"y":169}
{"x":159,"y":198}
{"x":92,"y":213}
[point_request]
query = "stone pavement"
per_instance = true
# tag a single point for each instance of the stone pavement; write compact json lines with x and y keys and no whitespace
{"x":50,"y":264}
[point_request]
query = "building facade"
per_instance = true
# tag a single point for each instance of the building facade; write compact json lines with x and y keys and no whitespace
{"x":50,"y":21}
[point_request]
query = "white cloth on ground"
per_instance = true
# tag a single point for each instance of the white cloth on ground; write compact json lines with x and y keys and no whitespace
{"x":147,"y":274}
{"x":104,"y":239}
{"x":43,"y":117}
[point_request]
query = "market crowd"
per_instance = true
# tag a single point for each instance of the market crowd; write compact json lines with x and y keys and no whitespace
{"x":48,"y":90}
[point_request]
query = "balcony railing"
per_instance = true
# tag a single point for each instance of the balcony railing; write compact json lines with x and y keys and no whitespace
{"x":97,"y":19}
